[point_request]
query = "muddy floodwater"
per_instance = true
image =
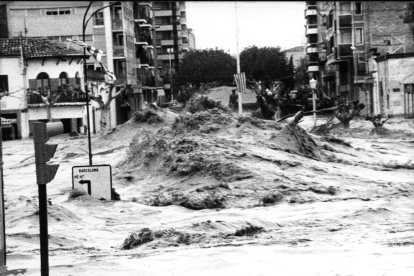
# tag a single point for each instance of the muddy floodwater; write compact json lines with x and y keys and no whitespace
{"x":209,"y":194}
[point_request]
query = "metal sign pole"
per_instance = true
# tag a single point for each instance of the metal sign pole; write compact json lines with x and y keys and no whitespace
{"x":2,"y":218}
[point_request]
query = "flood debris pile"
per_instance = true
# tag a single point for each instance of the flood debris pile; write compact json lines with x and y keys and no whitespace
{"x":294,"y":139}
{"x":147,"y":116}
{"x":208,"y":121}
{"x":198,"y":103}
{"x":205,"y":232}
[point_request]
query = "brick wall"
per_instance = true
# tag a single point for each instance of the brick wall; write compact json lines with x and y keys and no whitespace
{"x":384,"y":22}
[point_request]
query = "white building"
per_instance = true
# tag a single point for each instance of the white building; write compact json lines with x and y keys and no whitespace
{"x":41,"y":65}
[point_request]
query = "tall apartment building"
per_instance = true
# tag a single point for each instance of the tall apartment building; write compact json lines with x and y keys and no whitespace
{"x":342,"y":35}
{"x":171,"y":36}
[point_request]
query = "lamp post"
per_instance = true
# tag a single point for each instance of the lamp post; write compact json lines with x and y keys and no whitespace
{"x":84,"y":25}
{"x":170,"y":50}
{"x":312,"y":84}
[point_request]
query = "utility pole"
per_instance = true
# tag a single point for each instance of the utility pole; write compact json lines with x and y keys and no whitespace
{"x":85,"y":74}
{"x":175,"y":34}
{"x":2,"y":219}
{"x":238,"y":61}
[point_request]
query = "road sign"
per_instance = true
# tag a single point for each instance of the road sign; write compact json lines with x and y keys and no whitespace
{"x":95,"y":180}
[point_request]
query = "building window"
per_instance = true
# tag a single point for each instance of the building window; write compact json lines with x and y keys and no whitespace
{"x":43,"y":83}
{"x":4,"y":83}
{"x":345,"y":8}
{"x":346,"y":38}
{"x":358,"y":8}
{"x":358,"y":36}
{"x":57,"y":11}
{"x":63,"y":78}
{"x":77,"y":79}
{"x":330,"y":20}
{"x":98,"y":20}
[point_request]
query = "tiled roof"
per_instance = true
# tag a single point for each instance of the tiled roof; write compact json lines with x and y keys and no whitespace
{"x":36,"y":48}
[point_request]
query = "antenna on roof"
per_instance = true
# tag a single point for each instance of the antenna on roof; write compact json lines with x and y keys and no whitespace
{"x":25,"y":29}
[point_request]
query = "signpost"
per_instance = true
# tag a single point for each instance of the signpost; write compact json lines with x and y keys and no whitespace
{"x":95,"y":180}
{"x":45,"y":173}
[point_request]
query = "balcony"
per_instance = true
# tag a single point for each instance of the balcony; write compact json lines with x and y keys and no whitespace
{"x":359,"y":79}
{"x":167,"y":42}
{"x":143,"y":38}
{"x":184,"y":33}
{"x":145,"y":78}
{"x":143,"y":13}
{"x":344,"y":88}
{"x":145,"y":26}
{"x":345,"y":21}
{"x":64,"y":98}
{"x":119,"y":51}
{"x":145,"y":3}
{"x":310,"y":12}
{"x":166,"y":57}
{"x":345,"y":50}
{"x":311,"y":50}
{"x":163,"y":13}
{"x":311,"y":31}
{"x":183,"y":20}
{"x":95,"y":75}
{"x":168,"y":28}
{"x":120,"y":78}
{"x":332,"y":58}
{"x":117,"y":25}
{"x":313,"y":68}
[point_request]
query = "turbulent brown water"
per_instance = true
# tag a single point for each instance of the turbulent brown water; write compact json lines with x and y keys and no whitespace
{"x":211,"y":193}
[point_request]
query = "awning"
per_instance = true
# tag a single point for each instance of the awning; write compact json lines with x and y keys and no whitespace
{"x":161,"y":92}
{"x":408,"y":79}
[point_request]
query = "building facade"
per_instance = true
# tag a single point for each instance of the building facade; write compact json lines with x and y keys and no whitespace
{"x":125,"y":31}
{"x":172,"y":38}
{"x":342,"y":35}
{"x":40,"y":65}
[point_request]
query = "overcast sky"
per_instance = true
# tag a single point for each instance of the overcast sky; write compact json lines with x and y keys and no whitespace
{"x":262,"y":24}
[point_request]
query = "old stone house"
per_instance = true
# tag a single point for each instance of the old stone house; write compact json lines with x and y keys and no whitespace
{"x":40,"y":65}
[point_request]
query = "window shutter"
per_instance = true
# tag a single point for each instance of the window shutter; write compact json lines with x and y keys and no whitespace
{"x":33,"y":84}
{"x":54,"y":83}
{"x":72,"y":81}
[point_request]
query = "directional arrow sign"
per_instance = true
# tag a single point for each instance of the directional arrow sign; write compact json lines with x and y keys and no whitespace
{"x":89,"y":185}
{"x":98,"y":179}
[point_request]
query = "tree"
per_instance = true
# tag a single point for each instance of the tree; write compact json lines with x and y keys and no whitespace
{"x":205,"y":66}
{"x":408,"y":17}
{"x":51,"y":98}
{"x":266,"y":64}
{"x":105,"y":106}
{"x":69,"y":91}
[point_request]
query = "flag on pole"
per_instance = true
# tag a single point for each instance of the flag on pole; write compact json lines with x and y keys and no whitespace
{"x":109,"y":73}
{"x":240,"y":80}
{"x":96,"y":53}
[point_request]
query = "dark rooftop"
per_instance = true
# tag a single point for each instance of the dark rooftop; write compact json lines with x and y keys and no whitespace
{"x":36,"y":48}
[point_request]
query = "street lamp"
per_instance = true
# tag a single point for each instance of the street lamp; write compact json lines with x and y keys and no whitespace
{"x":84,"y":24}
{"x":312,"y":84}
{"x":170,"y":50}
